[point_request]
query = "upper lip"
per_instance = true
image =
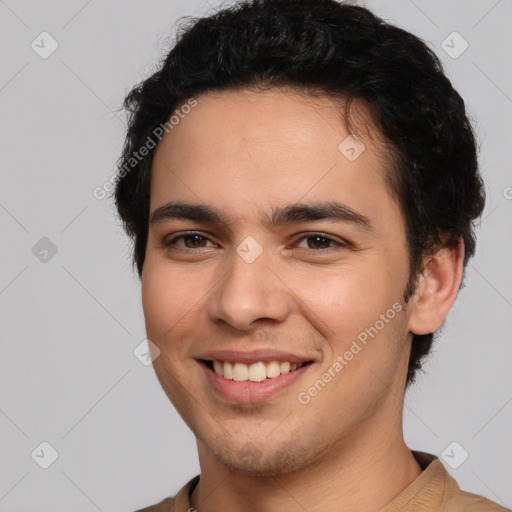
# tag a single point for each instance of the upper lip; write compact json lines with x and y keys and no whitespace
{"x":252,"y":356}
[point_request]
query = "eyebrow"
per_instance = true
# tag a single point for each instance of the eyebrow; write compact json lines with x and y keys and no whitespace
{"x":294,"y":213}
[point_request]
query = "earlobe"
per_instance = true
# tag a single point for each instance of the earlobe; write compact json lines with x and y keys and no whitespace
{"x":436,"y":289}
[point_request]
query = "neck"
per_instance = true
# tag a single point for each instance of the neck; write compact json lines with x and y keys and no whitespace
{"x":363,"y":473}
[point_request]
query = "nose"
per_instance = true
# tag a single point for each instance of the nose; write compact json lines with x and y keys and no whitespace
{"x":248,"y":294}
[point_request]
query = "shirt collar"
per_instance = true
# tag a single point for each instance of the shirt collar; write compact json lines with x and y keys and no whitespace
{"x":422,"y":495}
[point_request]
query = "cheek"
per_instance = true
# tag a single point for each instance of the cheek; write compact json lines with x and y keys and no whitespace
{"x":156,"y":297}
{"x":360,"y":315}
{"x":358,"y":311}
{"x":350,"y":298}
{"x":166,"y":299}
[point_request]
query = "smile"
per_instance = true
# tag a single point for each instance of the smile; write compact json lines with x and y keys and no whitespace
{"x":252,"y":383}
{"x":256,"y":372}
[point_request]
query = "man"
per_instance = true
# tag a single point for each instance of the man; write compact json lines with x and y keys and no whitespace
{"x":300,"y":181}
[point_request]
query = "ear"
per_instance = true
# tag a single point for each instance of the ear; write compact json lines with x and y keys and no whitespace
{"x":436,"y":289}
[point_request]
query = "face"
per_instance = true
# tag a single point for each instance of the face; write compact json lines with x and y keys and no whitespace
{"x":269,"y":243}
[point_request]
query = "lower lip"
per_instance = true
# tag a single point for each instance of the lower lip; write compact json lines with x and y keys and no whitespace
{"x":252,"y":392}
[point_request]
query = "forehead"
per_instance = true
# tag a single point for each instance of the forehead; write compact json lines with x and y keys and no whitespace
{"x":241,"y":148}
{"x":224,"y":121}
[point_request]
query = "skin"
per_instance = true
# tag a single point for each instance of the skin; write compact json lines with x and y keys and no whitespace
{"x":247,"y":152}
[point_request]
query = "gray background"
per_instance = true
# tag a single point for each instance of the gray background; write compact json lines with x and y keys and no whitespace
{"x":69,"y":325}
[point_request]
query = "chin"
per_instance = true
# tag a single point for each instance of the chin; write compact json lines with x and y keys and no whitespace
{"x":263,"y":459}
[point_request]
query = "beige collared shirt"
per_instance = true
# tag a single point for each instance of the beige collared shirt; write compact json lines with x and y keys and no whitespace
{"x":433,"y":490}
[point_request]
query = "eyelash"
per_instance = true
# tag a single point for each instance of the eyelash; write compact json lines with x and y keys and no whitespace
{"x":337,"y":244}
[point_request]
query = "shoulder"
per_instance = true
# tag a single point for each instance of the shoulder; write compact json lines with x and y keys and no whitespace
{"x":469,"y":502}
{"x":178,"y":503}
{"x":456,"y":499}
{"x":166,"y":505}
{"x":436,"y":489}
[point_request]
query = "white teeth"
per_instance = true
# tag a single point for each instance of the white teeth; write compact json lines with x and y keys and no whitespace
{"x":284,"y":367}
{"x":218,"y":367}
{"x":256,"y":372}
{"x":228,"y":370}
{"x":273,"y":369}
{"x":240,"y":372}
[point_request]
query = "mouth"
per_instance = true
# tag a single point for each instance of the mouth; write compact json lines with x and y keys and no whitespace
{"x":255,"y":382}
{"x":259,"y":371}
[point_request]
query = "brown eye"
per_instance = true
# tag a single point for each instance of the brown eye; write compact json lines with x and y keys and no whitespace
{"x":192,"y":241}
{"x":320,"y":243}
{"x":189,"y":241}
{"x":317,"y":241}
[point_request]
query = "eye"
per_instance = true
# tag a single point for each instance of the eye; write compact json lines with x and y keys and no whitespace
{"x":320,"y":243}
{"x":191,"y":240}
{"x":316,"y":243}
